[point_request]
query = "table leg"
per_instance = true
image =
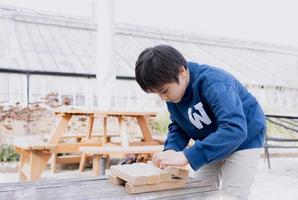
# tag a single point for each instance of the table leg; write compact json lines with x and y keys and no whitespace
{"x":95,"y":164}
{"x":38,"y":162}
{"x":83,"y":162}
{"x":105,"y":127}
{"x":53,"y":162}
{"x":89,"y":131}
{"x":90,"y":126}
{"x":123,"y":132}
{"x":100,"y":163}
{"x":60,"y":129}
{"x":24,"y":157}
{"x":103,"y":162}
{"x":143,"y":123}
{"x":32,"y":164}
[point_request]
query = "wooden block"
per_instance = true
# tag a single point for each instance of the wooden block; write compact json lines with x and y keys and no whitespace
{"x":153,"y":176}
{"x":178,"y":172}
{"x":129,"y":174}
{"x":141,"y":173}
{"x":165,"y":176}
{"x":116,"y":180}
{"x":137,"y":170}
{"x":173,"y":184}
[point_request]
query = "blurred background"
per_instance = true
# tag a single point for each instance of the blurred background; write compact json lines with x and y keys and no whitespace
{"x":81,"y":54}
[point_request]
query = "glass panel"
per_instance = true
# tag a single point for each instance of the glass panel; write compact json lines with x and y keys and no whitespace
{"x":88,"y":64}
{"x":36,"y":88}
{"x":80,"y":100}
{"x":66,"y":100}
{"x":17,"y":59}
{"x":40,"y":45}
{"x":75,"y":65}
{"x":57,"y":34}
{"x":73,"y":41}
{"x":32,"y":29}
{"x":35,"y":38}
{"x":95,"y":101}
{"x":33,"y":60}
{"x":4,"y":89}
{"x":49,"y":40}
{"x":51,"y":84}
{"x":66,"y":85}
{"x":47,"y":61}
{"x":16,"y":88}
{"x":61,"y":62}
{"x":25,"y":42}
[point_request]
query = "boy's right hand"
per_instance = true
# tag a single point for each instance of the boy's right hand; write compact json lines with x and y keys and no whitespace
{"x":169,"y":158}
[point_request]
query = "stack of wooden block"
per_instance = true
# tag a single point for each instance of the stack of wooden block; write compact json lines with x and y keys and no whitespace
{"x":142,"y":177}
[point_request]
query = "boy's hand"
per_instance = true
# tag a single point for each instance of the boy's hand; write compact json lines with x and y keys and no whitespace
{"x":131,"y":158}
{"x":169,"y":158}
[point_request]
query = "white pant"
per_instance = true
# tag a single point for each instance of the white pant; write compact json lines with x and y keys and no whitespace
{"x":234,"y":174}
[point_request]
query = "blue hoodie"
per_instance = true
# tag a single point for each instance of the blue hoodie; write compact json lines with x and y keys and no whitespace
{"x":218,"y":113}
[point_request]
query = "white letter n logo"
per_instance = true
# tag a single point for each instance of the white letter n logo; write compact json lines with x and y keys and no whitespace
{"x":196,"y":119}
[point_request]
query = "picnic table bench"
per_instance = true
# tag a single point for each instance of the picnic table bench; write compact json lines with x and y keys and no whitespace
{"x":99,"y":188}
{"x":35,"y":154}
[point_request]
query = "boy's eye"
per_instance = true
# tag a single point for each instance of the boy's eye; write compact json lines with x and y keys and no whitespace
{"x":165,"y":91}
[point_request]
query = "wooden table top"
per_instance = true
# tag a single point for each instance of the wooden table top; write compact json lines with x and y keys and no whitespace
{"x":108,"y":113}
{"x":100,"y":188}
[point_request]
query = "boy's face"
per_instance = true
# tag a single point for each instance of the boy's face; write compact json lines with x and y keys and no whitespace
{"x":173,"y":92}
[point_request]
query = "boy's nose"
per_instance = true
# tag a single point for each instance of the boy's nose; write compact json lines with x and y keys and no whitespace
{"x":163,"y":97}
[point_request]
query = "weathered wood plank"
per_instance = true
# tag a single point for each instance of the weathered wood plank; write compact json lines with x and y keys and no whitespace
{"x":164,"y":176}
{"x":153,"y":176}
{"x":27,"y":143}
{"x":100,"y":188}
{"x":116,"y":180}
{"x":129,"y":174}
{"x":120,"y":149}
{"x":178,"y":172}
{"x":173,"y":184}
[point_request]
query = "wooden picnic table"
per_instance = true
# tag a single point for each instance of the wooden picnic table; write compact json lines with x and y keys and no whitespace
{"x":99,"y":188}
{"x":35,"y":155}
{"x":141,"y":118}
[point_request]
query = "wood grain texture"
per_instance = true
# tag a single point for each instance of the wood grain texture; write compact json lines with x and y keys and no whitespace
{"x":116,"y":180}
{"x":89,"y":188}
{"x":129,"y":174}
{"x":120,"y":149}
{"x":173,"y":184}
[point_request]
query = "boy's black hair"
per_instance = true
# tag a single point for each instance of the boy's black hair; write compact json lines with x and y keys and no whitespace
{"x":157,"y":66}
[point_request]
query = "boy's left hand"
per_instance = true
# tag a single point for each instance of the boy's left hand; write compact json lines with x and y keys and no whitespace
{"x":169,"y":158}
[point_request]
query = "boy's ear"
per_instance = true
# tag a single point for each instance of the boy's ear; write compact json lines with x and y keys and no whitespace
{"x":183,"y":71}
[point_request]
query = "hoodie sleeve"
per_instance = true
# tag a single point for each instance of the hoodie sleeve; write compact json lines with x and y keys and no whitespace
{"x":226,"y":105}
{"x":177,"y":139}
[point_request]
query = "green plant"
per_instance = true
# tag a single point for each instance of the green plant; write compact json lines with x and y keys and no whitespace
{"x":161,"y":123}
{"x":8,"y":153}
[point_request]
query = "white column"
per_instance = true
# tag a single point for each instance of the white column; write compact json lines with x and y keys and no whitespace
{"x":105,"y":71}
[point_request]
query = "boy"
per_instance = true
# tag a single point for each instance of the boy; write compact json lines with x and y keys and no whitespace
{"x":211,"y":107}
